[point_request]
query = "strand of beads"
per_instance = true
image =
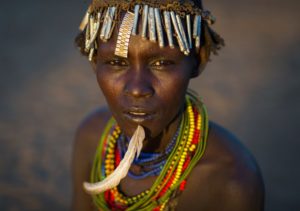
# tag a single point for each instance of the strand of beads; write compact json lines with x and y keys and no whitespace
{"x":184,"y":155}
{"x":110,"y":152}
{"x":119,"y":197}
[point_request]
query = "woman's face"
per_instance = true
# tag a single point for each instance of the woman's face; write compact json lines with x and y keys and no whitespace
{"x":147,"y":88}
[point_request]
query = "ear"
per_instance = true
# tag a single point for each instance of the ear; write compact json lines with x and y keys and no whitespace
{"x":202,"y":59}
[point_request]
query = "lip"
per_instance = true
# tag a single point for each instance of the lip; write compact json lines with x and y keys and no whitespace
{"x":138,"y":115}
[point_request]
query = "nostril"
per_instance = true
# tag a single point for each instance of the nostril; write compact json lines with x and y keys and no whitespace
{"x":138,"y":91}
{"x":139,"y":88}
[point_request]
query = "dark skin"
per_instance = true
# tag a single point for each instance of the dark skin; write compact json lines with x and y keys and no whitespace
{"x":148,"y":88}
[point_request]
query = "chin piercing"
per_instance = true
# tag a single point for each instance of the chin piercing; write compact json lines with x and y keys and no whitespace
{"x":159,"y":28}
{"x":145,"y":21}
{"x":168,"y":27}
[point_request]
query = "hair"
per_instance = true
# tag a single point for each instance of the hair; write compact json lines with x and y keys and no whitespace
{"x":211,"y":41}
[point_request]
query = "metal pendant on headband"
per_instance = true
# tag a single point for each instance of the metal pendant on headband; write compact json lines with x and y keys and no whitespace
{"x":145,"y":21}
{"x":107,"y":28}
{"x":151,"y":23}
{"x":177,"y":32}
{"x":124,"y":35}
{"x":110,"y":24}
{"x":136,"y":19}
{"x":104,"y":25}
{"x":197,"y":31}
{"x":85,"y":19}
{"x":159,"y":28}
{"x":183,"y":35}
{"x":94,"y":28}
{"x":168,"y":26}
{"x":189,"y":28}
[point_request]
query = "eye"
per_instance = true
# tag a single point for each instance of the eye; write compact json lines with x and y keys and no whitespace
{"x":117,"y":62}
{"x":161,"y":63}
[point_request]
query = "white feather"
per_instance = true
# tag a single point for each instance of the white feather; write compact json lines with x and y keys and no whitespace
{"x":113,"y":180}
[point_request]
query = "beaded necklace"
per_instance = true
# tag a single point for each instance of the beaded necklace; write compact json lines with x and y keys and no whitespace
{"x":151,"y":164}
{"x":189,"y":148}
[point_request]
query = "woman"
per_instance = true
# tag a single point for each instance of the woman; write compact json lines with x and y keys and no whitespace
{"x":144,"y":54}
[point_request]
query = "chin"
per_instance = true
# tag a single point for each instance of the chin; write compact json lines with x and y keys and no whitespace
{"x":129,"y":127}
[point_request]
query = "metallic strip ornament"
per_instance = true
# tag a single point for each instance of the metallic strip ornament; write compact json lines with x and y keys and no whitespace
{"x":85,"y":19}
{"x":109,"y":28}
{"x":189,"y":28}
{"x":145,"y":21}
{"x":136,"y":19}
{"x":94,"y":28}
{"x":195,"y":26}
{"x":96,"y":45}
{"x":198,"y":37}
{"x":183,"y":34}
{"x":168,"y":27}
{"x":104,"y":25}
{"x":152,"y":29}
{"x":124,"y":35}
{"x":159,"y":28}
{"x":92,"y":25}
{"x":91,"y":54}
{"x":177,"y":32}
{"x":87,"y":36}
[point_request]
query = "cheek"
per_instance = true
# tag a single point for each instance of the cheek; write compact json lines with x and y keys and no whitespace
{"x":108,"y":86}
{"x":173,"y":92}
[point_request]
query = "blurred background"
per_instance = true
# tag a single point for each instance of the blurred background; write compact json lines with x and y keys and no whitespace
{"x":46,"y":88}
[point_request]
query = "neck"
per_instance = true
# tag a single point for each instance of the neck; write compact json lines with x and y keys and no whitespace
{"x":160,"y":142}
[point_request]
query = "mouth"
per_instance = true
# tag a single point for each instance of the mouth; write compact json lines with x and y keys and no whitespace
{"x":138,"y":115}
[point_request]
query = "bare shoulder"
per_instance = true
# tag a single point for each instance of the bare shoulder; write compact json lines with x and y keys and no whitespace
{"x":86,"y":141}
{"x":90,"y":129}
{"x":226,"y":178}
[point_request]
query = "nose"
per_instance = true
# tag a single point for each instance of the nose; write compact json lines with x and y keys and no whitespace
{"x":139,"y":85}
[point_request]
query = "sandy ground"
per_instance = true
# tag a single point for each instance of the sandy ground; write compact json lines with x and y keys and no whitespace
{"x":46,"y":88}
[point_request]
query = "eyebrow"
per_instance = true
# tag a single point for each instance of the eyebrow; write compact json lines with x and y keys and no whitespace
{"x":147,"y":56}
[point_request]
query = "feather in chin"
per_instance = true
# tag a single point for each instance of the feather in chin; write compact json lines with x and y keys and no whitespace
{"x":113,"y":180}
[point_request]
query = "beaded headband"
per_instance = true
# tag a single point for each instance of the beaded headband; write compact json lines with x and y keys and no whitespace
{"x":177,"y":19}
